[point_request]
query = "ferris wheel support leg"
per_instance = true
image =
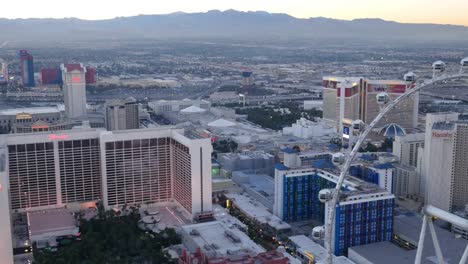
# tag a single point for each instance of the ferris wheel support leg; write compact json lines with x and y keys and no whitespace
{"x":421,"y":241}
{"x":464,"y":258}
{"x":435,"y":241}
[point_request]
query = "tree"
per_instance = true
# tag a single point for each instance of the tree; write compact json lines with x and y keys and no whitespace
{"x":369,"y":148}
{"x":387,"y":145}
{"x":112,"y":239}
{"x":336,"y":141}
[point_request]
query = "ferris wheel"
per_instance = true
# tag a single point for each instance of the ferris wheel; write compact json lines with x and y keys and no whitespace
{"x":386,"y":104}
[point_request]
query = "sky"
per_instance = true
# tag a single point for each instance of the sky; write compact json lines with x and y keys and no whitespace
{"x":413,"y":11}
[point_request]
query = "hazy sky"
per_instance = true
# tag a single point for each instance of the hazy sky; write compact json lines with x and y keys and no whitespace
{"x":430,"y":11}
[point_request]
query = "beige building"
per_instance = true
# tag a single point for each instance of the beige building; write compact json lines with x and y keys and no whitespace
{"x":361,"y":102}
{"x":406,"y":148}
{"x":74,"y":90}
{"x":331,"y":99}
{"x":122,"y":114}
{"x":163,"y":164}
{"x":446,"y":166}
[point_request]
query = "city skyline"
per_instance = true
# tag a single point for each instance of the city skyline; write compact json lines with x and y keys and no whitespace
{"x":447,"y":12}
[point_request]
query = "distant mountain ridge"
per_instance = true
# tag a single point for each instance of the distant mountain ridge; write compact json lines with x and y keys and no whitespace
{"x":226,"y":25}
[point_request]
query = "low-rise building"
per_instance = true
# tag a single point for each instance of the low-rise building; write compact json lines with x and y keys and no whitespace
{"x":46,"y":226}
{"x":251,"y":161}
{"x":310,"y":252}
{"x":165,"y":106}
{"x":304,"y":128}
{"x":218,"y":239}
{"x":259,"y":214}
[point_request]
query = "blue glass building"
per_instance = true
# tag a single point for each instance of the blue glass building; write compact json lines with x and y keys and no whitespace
{"x":364,"y":214}
{"x":27,"y":69}
{"x":359,"y":223}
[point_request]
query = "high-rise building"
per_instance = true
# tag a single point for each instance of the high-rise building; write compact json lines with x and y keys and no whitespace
{"x":3,"y":72}
{"x":362,"y":218}
{"x":6,"y":243}
{"x":364,"y":212}
{"x":27,"y":68}
{"x":406,"y":148}
{"x":51,"y":76}
{"x":405,"y":181}
{"x":48,"y":171}
{"x":90,"y":75}
{"x":361,"y":102}
{"x":446,"y":169}
{"x":247,"y":80}
{"x":122,"y":114}
{"x":405,"y":114}
{"x":74,"y":90}
{"x":331,"y":98}
{"x":296,"y":193}
{"x":377,"y":173}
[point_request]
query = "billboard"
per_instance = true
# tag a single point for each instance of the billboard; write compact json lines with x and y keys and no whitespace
{"x":386,"y":87}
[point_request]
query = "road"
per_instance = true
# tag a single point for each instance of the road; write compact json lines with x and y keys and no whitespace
{"x":260,"y":99}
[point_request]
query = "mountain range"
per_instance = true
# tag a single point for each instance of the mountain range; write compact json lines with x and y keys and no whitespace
{"x":230,"y":24}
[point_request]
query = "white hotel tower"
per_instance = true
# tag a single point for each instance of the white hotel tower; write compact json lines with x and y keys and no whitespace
{"x":121,"y":167}
{"x":445,"y":161}
{"x":80,"y":167}
{"x":74,"y":90}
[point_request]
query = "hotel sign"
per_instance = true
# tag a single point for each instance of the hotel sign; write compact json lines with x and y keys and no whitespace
{"x":442,"y":134}
{"x":57,"y":136}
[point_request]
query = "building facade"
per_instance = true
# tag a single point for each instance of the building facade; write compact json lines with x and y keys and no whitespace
{"x":406,"y":148}
{"x":122,"y":114}
{"x":13,"y":119}
{"x":362,"y":218}
{"x":296,"y":193}
{"x":405,"y":181}
{"x":331,"y":99}
{"x":124,"y":167}
{"x":361,"y":102}
{"x":364,"y":212}
{"x":404,"y":115}
{"x":377,"y":173}
{"x":90,"y":76}
{"x":74,"y":90}
{"x":6,"y":243}
{"x":445,"y":161}
{"x":3,"y":72}
{"x":27,"y":68}
{"x":51,"y":76}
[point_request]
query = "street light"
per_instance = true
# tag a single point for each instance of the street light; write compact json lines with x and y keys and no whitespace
{"x":438,"y":67}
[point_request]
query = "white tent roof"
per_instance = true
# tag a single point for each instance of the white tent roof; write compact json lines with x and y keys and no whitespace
{"x":192,"y":109}
{"x":221,"y":123}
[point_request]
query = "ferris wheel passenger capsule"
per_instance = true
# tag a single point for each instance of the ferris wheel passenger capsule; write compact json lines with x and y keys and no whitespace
{"x":325,"y":195}
{"x":358,"y":125}
{"x":438,"y":66}
{"x":464,"y":62}
{"x":318,"y":232}
{"x":382,"y":98}
{"x":410,"y":77}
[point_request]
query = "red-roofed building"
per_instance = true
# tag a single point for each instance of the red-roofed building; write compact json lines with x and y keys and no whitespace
{"x":74,"y":66}
{"x":90,"y":75}
{"x":51,"y":76}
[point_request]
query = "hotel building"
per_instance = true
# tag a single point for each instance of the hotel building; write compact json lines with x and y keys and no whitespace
{"x":364,"y":212}
{"x":445,"y":166}
{"x":47,"y":170}
{"x":361,"y":102}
